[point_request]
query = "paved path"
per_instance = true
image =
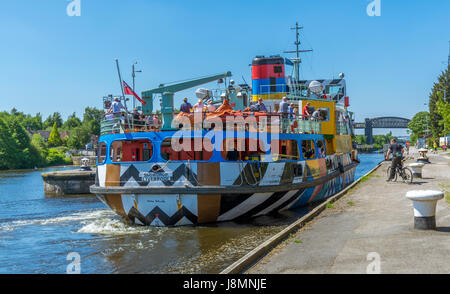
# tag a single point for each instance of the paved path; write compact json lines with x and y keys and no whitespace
{"x":373,"y":217}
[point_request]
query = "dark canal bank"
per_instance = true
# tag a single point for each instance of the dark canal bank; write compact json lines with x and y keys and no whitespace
{"x":37,"y":233}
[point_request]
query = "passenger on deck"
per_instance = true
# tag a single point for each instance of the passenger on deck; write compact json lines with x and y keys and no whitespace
{"x":199,"y":106}
{"x":291,"y":111}
{"x":260,"y":107}
{"x":116,"y":107}
{"x":317,"y":115}
{"x":185,"y":106}
{"x":306,"y":112}
{"x":210,"y":107}
{"x":284,"y":111}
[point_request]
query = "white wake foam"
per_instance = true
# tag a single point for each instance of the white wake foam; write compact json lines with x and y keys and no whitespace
{"x":75,"y":217}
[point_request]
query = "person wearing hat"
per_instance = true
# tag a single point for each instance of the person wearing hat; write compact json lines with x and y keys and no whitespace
{"x":199,"y":106}
{"x":116,"y":106}
{"x":260,"y":107}
{"x":185,"y":106}
{"x":210,"y":107}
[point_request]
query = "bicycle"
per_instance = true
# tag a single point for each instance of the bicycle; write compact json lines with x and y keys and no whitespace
{"x":405,"y":173}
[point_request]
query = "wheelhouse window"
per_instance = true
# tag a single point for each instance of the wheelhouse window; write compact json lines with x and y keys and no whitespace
{"x":131,"y":150}
{"x":101,"y":154}
{"x":181,"y":149}
{"x":284,"y":150}
{"x":321,"y":151}
{"x":308,"y":149}
{"x":240,"y":149}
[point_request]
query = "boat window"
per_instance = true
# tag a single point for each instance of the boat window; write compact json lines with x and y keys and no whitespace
{"x":321,"y":149}
{"x":324,"y":113}
{"x":101,"y":152}
{"x":284,"y":150}
{"x":131,"y":150}
{"x":308,"y":149}
{"x":181,"y":149}
{"x":277,"y":69}
{"x":237,"y":149}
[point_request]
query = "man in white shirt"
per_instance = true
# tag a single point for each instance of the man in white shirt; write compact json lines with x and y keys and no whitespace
{"x":210,"y":106}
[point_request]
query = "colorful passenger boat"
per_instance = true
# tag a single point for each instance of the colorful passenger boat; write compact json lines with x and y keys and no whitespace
{"x":231,"y":163}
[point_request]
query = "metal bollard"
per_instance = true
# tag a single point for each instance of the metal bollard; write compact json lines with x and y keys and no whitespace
{"x":423,"y":156}
{"x":424,"y":202}
{"x":417,"y":169}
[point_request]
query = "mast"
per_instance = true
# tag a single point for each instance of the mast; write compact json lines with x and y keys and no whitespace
{"x":297,"y":60}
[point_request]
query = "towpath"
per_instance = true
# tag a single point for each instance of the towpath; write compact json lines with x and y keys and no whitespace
{"x":374,"y":220}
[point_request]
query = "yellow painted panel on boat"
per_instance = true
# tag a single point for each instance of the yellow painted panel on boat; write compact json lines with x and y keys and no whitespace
{"x":314,"y":166}
{"x":343,"y":143}
{"x":273,"y":96}
{"x":112,"y":175}
{"x":328,"y":126}
{"x":208,"y":206}
{"x":329,"y":143}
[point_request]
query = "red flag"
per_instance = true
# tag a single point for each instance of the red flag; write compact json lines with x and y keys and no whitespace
{"x":128,"y":91}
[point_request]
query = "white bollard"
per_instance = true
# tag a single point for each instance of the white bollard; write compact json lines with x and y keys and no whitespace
{"x":424,"y":202}
{"x":423,"y":156}
{"x":417,"y":169}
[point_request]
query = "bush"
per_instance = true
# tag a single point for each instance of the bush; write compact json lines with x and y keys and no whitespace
{"x":57,"y":156}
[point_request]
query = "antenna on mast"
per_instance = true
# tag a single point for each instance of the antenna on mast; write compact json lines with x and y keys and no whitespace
{"x":297,"y":60}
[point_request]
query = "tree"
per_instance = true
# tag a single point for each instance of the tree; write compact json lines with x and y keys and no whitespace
{"x":32,"y":123}
{"x":92,"y":118}
{"x":419,"y":125}
{"x":52,"y":119}
{"x":41,"y":146}
{"x":442,"y":85}
{"x":79,"y":137}
{"x":8,"y":147}
{"x":72,"y":122}
{"x":443,"y":109}
{"x":55,"y":138}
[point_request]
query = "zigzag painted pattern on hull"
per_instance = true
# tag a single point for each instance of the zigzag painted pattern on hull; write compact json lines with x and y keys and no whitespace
{"x":161,"y":210}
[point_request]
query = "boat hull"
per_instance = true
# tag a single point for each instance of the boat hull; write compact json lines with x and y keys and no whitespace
{"x":219,"y":192}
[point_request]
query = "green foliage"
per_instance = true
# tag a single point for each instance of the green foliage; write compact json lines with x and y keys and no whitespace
{"x":419,"y":125}
{"x":437,"y":94}
{"x":55,"y":138}
{"x":72,"y":122}
{"x":79,"y":137}
{"x":52,"y":119}
{"x":443,"y":109}
{"x":91,"y":119}
{"x":16,"y":150}
{"x":361,"y":140}
{"x":56,"y":156}
{"x":329,"y":205}
{"x":8,"y":146}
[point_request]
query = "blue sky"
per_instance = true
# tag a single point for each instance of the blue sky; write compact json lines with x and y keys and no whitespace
{"x":52,"y":62}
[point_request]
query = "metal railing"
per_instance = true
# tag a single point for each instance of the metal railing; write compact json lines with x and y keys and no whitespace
{"x":118,"y":123}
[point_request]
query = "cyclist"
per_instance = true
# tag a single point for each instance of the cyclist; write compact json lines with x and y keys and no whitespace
{"x":397,"y":151}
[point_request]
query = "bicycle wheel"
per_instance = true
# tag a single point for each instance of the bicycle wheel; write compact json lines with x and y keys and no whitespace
{"x":389,"y":174}
{"x":407,"y":175}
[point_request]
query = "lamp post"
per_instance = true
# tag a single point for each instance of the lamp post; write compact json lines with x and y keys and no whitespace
{"x":133,"y":75}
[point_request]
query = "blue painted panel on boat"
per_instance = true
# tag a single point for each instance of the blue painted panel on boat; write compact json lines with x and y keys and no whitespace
{"x":263,"y":86}
{"x":216,"y":139}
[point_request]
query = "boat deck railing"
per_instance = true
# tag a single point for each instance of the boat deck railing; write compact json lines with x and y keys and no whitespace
{"x":121,"y":123}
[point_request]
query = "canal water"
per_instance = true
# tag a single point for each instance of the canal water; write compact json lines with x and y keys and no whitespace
{"x":38,"y":233}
